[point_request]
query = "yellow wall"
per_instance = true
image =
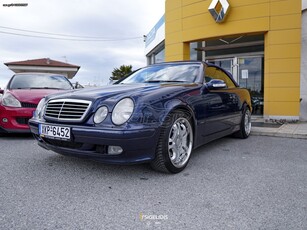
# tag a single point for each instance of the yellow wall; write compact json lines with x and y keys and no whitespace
{"x":279,"y":20}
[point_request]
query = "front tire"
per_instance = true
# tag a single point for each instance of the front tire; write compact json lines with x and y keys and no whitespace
{"x":175,"y":143}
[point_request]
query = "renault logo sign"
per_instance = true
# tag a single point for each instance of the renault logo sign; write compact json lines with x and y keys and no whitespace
{"x":219,"y":9}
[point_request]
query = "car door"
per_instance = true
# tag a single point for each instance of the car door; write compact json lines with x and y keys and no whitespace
{"x":218,"y":107}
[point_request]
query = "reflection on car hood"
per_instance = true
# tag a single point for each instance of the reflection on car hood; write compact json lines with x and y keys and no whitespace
{"x":119,"y":91}
{"x":32,"y":95}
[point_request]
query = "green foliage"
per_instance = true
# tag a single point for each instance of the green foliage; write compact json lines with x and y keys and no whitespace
{"x":122,"y":71}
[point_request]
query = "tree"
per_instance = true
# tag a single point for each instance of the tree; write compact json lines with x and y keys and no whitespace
{"x":122,"y":71}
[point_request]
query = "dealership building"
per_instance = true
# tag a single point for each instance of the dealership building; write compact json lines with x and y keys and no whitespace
{"x":263,"y":43}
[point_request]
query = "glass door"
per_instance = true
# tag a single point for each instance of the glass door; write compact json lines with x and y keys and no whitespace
{"x":250,"y":76}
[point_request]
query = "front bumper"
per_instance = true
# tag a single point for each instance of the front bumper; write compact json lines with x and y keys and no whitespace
{"x":138,"y":145}
{"x":15,"y":120}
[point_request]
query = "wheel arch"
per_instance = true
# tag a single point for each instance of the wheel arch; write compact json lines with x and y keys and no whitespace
{"x":248,"y":105}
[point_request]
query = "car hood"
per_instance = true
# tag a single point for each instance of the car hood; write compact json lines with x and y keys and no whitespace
{"x":120,"y":91}
{"x":31,"y":95}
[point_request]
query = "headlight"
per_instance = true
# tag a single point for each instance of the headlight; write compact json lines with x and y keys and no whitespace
{"x":122,"y":111}
{"x":40,"y":109}
{"x":9,"y":100}
{"x":100,"y":114}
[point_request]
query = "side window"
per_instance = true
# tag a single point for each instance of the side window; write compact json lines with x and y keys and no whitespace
{"x":215,"y":73}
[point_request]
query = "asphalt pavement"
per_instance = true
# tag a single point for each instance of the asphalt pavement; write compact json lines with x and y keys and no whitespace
{"x":256,"y":183}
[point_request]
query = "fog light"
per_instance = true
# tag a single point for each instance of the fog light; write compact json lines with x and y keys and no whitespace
{"x":114,"y":150}
{"x":5,"y":120}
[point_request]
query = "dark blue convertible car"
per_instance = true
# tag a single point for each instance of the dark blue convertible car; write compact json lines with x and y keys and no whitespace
{"x":158,"y":114}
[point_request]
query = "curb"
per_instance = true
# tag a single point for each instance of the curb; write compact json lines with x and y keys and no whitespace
{"x":283,"y":135}
{"x":295,"y":131}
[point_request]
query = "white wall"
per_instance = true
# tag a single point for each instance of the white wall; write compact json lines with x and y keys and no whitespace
{"x":303,"y":115}
{"x":304,"y":4}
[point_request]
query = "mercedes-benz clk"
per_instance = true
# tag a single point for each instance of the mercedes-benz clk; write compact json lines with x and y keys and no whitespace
{"x":157,"y":115}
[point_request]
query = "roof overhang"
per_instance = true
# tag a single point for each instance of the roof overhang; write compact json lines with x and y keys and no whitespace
{"x":70,"y":72}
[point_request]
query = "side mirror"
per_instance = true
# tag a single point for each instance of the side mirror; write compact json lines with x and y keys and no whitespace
{"x":216,"y":84}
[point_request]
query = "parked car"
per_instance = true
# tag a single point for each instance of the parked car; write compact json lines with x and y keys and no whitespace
{"x":158,"y":114}
{"x":23,"y":92}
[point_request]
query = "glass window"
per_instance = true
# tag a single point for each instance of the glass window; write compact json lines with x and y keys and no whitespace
{"x":39,"y":81}
{"x":226,"y":64}
{"x":195,"y":53}
{"x":160,"y":57}
{"x":186,"y":73}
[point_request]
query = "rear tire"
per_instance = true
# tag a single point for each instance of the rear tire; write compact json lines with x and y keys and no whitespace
{"x":175,"y":143}
{"x":245,"y":125}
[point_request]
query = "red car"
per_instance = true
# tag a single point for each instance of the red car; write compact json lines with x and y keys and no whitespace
{"x":23,"y":92}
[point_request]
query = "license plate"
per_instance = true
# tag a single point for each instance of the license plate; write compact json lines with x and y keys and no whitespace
{"x":56,"y":132}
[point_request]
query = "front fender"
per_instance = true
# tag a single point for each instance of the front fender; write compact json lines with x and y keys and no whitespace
{"x":157,"y":113}
{"x":177,"y":104}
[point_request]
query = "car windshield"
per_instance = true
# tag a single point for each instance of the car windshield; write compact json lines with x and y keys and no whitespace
{"x":39,"y":81}
{"x":185,"y":73}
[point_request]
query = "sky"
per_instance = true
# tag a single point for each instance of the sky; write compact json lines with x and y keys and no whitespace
{"x":109,"y":34}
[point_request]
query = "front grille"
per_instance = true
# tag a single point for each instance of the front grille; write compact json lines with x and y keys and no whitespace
{"x":67,"y":109}
{"x":64,"y":144}
{"x":28,"y":105}
{"x":99,"y":149}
